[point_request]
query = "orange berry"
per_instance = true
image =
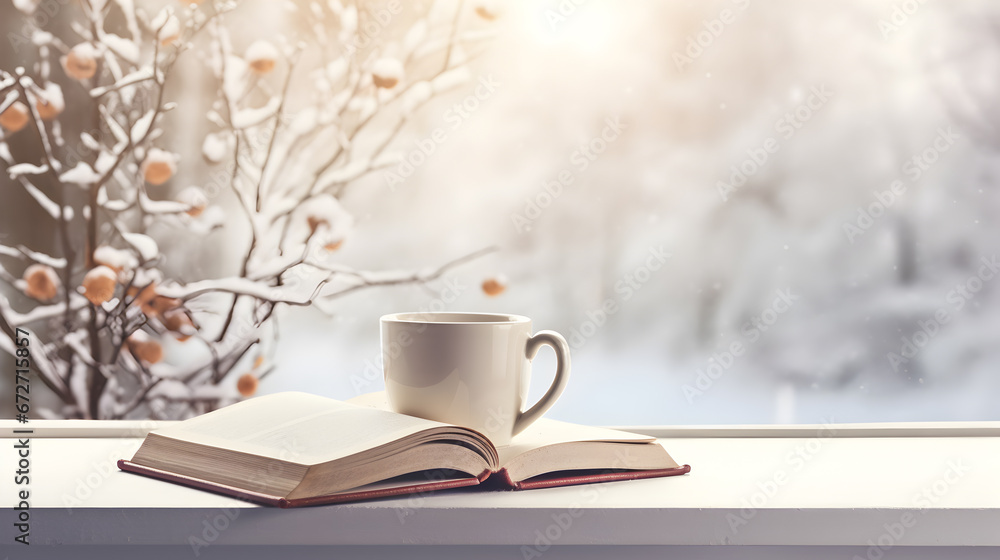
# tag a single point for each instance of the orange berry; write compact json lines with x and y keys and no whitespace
{"x":47,"y":111}
{"x":315,"y":223}
{"x":168,"y":30}
{"x":486,"y":10}
{"x":144,"y":348}
{"x":99,"y":284}
{"x":159,"y":166}
{"x":196,"y":200}
{"x":247,"y":384}
{"x":178,"y":322}
{"x":387,"y":72}
{"x":81,"y":61}
{"x":15,"y":117}
{"x":159,"y":305}
{"x":261,"y":56}
{"x":41,"y":281}
{"x":50,"y":103}
{"x":142,"y":295}
{"x":493,"y":287}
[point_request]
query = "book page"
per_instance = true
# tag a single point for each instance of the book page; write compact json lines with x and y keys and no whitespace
{"x":297,"y":427}
{"x":546,"y":432}
{"x":542,"y":433}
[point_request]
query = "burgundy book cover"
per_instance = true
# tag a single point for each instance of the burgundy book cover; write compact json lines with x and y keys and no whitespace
{"x":269,"y":500}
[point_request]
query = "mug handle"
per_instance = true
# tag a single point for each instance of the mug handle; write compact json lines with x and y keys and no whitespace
{"x":558,"y":343}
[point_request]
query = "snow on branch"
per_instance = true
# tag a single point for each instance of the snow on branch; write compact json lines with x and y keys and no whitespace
{"x":290,"y":124}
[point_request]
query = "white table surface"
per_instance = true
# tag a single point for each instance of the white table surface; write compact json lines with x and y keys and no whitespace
{"x":840,"y":492}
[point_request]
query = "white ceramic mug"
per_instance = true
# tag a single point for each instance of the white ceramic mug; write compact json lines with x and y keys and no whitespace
{"x":468,"y":369}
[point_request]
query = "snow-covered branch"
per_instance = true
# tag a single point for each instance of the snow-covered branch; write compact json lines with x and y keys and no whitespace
{"x":105,"y":300}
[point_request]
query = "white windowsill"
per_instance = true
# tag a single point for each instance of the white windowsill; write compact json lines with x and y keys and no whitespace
{"x":841,"y":485}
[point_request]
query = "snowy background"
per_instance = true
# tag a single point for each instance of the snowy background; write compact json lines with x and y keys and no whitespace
{"x":840,"y":276}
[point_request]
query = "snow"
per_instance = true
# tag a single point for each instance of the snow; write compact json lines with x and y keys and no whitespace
{"x":115,"y":258}
{"x":304,"y":122}
{"x":415,"y":36}
{"x":89,"y":142}
{"x":135,"y":77}
{"x":105,"y":161}
{"x":210,"y":391}
{"x":82,"y":175}
{"x":193,"y":197}
{"x":337,"y":70}
{"x":260,"y":50}
{"x":147,"y":276}
{"x":116,"y":128}
{"x":112,"y":205}
{"x":417,"y":95}
{"x":9,"y":100}
{"x":21,"y":169}
{"x":388,"y":69}
{"x":151,"y":206}
{"x":45,"y":202}
{"x":168,"y":25}
{"x":213,"y":217}
{"x":125,"y":48}
{"x":331,"y":221}
{"x":450,"y":79}
{"x":157,"y":155}
{"x":43,"y":312}
{"x":170,"y":389}
{"x":216,"y":146}
{"x":139,"y":337}
{"x":364,"y":105}
{"x":41,"y":38}
{"x":346,"y":173}
{"x":348,"y":21}
{"x":27,"y":6}
{"x":246,"y":118}
{"x":53,"y":95}
{"x":141,"y":127}
{"x":144,"y":244}
{"x":85,"y":50}
{"x":234,"y":82}
{"x":128,"y":10}
{"x":99,"y":272}
{"x":237,"y":285}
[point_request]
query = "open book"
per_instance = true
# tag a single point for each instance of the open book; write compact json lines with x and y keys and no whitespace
{"x":297,"y":449}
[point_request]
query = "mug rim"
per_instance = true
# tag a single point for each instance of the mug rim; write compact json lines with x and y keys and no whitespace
{"x":454,"y":318}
